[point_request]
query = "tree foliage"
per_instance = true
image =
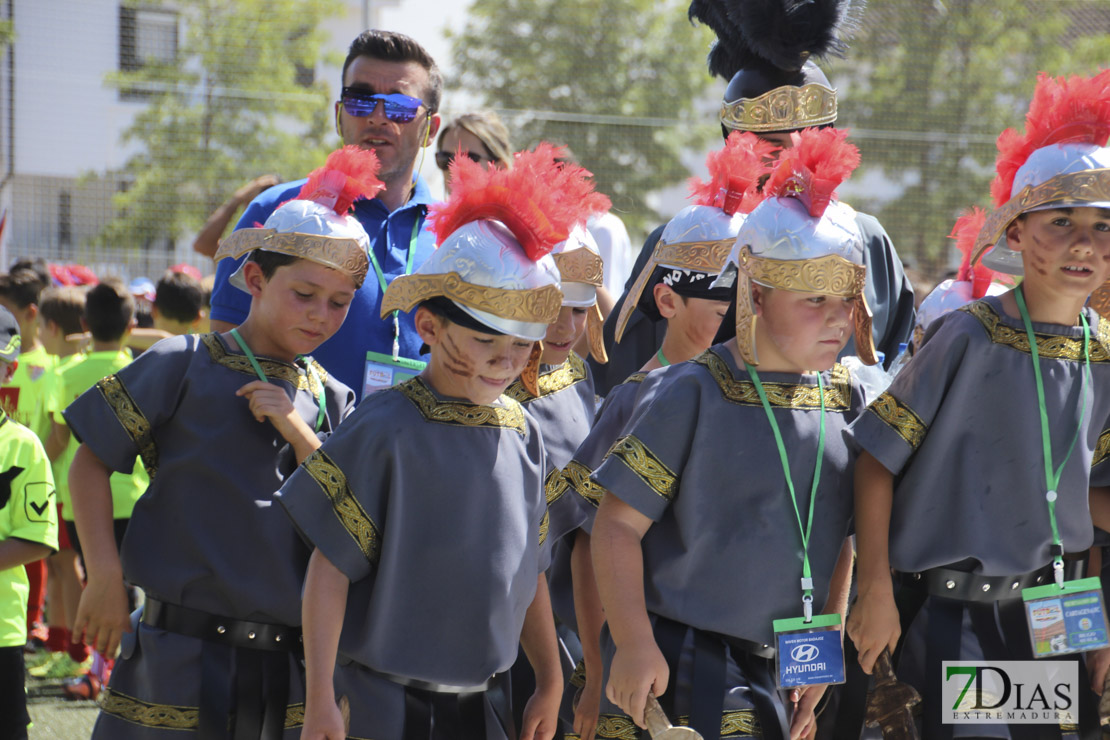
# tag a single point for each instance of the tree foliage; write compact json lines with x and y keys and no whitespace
{"x":931,"y":84}
{"x":227,"y":109}
{"x":615,"y":80}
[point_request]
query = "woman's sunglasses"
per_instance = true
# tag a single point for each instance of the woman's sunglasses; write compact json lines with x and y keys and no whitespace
{"x":398,"y":108}
{"x":444,"y":159}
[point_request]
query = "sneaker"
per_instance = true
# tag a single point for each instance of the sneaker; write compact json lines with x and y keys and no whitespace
{"x":82,"y":688}
{"x":36,"y":638}
{"x":34,"y":660}
{"x":63,"y":667}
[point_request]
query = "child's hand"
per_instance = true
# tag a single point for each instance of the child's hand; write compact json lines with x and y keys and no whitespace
{"x":102,"y":615}
{"x":589,"y":705}
{"x":804,"y":722}
{"x":873,"y":624}
{"x":541,"y":714}
{"x":323,"y":721}
{"x":637,"y":670}
{"x":268,"y":401}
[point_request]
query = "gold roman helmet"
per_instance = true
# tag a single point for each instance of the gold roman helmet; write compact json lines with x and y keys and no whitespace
{"x":581,"y":270}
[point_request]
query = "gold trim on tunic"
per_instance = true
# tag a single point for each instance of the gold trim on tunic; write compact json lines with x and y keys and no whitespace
{"x":545,"y":524}
{"x":338,"y":253}
{"x":580,"y":266}
{"x":1102,"y":448}
{"x":460,"y":413}
{"x":274,"y":369}
{"x":706,"y":256}
{"x":830,"y":275}
{"x":1049,"y":346}
{"x":781,"y":109}
{"x":169,"y":717}
{"x":533,"y":306}
{"x":572,"y":371}
{"x":348,"y":510}
{"x":643,"y":462}
{"x":578,"y":477}
{"x":554,"y":486}
{"x":1088,"y":186}
{"x":901,"y":418}
{"x":838,"y":393}
{"x":736,"y":723}
{"x":131,"y":417}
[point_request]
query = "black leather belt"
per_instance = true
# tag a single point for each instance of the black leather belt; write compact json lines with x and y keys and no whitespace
{"x":436,"y":688}
{"x":962,"y":586}
{"x":233,"y":632}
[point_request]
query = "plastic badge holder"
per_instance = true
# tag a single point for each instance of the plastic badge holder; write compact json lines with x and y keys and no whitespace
{"x":382,"y":371}
{"x":1068,"y":619}
{"x":809,"y":653}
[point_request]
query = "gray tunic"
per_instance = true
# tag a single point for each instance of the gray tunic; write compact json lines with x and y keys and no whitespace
{"x":960,"y":429}
{"x":205,"y":534}
{"x":698,"y":458}
{"x":434,"y":509}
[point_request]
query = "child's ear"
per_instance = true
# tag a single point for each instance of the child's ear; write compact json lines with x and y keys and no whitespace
{"x":1014,"y":233}
{"x":429,"y":326}
{"x":665,"y":300}
{"x":252,"y":274}
{"x":757,"y":297}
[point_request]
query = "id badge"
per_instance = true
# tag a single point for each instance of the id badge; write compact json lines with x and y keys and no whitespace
{"x":382,"y":371}
{"x":1065,"y":620}
{"x":809,"y":653}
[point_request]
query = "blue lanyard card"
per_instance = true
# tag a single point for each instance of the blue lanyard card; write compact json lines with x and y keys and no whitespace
{"x":382,"y":371}
{"x":809,"y":653}
{"x":1066,"y":619}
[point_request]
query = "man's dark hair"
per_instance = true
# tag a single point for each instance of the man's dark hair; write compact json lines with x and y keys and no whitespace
{"x":64,"y":306}
{"x":179,"y":297}
{"x":109,"y":308}
{"x":391,"y":46}
{"x":22,"y":286}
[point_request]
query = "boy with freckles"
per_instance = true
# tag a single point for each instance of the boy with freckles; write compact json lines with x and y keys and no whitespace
{"x":975,"y":479}
{"x":427,"y":509}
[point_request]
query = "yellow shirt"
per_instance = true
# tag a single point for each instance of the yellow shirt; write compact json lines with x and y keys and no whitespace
{"x":23,"y":397}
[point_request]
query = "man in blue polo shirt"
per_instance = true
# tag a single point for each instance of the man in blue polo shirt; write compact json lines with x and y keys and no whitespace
{"x":389,"y":103}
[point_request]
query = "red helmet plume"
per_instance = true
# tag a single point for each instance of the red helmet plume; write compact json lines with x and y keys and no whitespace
{"x":1064,"y":110}
{"x":539,"y":200}
{"x":965,"y":232}
{"x":811,"y":170}
{"x":735,"y":172}
{"x":348,"y":174}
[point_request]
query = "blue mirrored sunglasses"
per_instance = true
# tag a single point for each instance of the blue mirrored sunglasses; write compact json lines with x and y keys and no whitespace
{"x":398,"y":108}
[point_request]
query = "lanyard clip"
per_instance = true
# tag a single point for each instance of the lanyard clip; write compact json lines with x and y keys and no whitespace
{"x":396,"y":338}
{"x":1058,"y":571}
{"x":807,"y":607}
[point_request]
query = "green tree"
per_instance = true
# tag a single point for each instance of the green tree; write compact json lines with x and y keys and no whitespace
{"x":615,"y":80}
{"x":233,"y":104}
{"x":931,"y":85}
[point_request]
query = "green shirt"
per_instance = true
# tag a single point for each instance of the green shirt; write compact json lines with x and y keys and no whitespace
{"x":27,"y":512}
{"x":54,"y":405}
{"x":23,"y":396}
{"x":73,"y":380}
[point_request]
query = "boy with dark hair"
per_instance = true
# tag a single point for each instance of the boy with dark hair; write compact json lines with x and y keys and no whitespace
{"x":178,"y":303}
{"x":108,"y":316}
{"x":432,"y":492}
{"x":975,"y":479}
{"x":217,"y":652}
{"x":28,"y":533}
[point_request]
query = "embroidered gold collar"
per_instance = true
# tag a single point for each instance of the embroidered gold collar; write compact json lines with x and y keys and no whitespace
{"x":274,"y":369}
{"x":838,"y":393}
{"x":461,"y":413}
{"x":1051,"y":346}
{"x":569,"y":373}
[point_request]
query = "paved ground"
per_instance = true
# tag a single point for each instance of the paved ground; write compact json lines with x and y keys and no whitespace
{"x":55,"y":717}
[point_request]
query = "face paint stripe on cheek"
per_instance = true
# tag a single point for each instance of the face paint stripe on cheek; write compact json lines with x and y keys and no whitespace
{"x":454,"y":361}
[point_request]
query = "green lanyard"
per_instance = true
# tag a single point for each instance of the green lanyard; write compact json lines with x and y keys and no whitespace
{"x":321,"y":403}
{"x":807,"y":576}
{"x":1052,"y":478}
{"x":662,"y":360}
{"x":384,"y":284}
